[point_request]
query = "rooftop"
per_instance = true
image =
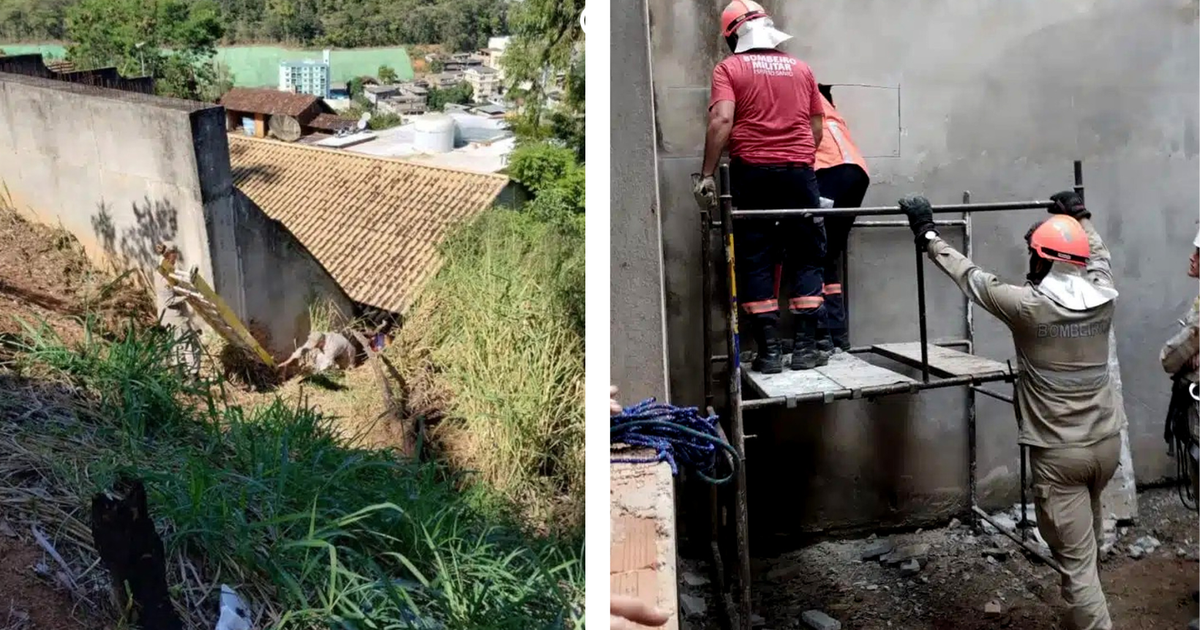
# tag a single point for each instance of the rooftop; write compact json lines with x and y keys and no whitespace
{"x":267,"y":101}
{"x":374,"y":223}
{"x":479,"y":144}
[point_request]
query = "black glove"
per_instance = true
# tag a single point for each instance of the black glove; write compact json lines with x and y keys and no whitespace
{"x":1070,"y":204}
{"x":920,"y":216}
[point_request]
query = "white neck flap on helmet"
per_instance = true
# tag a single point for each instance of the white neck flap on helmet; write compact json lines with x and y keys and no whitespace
{"x":759,"y":34}
{"x":1066,"y":286}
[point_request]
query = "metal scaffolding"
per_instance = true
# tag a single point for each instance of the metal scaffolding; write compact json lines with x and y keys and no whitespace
{"x":847,"y":377}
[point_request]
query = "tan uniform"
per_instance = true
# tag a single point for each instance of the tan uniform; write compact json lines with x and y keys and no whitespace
{"x":1175,"y":355}
{"x":1072,"y":417}
{"x":173,"y":313}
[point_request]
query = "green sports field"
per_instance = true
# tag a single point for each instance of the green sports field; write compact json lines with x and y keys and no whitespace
{"x":258,"y":66}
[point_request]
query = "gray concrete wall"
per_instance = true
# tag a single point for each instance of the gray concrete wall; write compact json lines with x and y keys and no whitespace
{"x":996,"y":97}
{"x":282,"y":280}
{"x":638,"y":357}
{"x":123,"y":171}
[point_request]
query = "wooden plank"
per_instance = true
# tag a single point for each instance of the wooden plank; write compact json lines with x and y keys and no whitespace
{"x":844,"y":372}
{"x":943,"y":362}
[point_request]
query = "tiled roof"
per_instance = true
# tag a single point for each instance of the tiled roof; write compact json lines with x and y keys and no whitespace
{"x":267,"y":101}
{"x":331,"y":122}
{"x":374,"y":223}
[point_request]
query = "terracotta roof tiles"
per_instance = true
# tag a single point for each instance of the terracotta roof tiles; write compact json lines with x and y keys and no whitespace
{"x":374,"y":223}
{"x":268,"y":101}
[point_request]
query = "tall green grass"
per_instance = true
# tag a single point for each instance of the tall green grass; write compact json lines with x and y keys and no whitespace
{"x":316,"y":534}
{"x":502,"y":325}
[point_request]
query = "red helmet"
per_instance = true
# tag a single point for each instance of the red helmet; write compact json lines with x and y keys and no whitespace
{"x":738,"y":13}
{"x":1060,"y":239}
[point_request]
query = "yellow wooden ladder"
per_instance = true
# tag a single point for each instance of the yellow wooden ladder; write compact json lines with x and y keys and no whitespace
{"x":212,"y":309}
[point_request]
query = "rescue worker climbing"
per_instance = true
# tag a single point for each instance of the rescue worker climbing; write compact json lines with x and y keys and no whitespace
{"x":1060,"y":321}
{"x":1179,"y":357}
{"x":766,"y":107}
{"x":842,"y":177}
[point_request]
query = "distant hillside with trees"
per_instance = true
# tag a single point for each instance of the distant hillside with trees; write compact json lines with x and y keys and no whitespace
{"x":457,"y":25}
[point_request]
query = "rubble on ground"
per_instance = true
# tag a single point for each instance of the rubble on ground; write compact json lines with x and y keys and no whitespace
{"x":956,"y":572}
{"x":817,"y":620}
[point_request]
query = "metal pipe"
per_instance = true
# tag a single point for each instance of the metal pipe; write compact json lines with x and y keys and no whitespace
{"x":736,"y":429}
{"x":972,"y":419}
{"x":706,"y":305}
{"x":891,"y":210}
{"x":904,"y":224}
{"x":945,"y":343}
{"x":1027,"y":546}
{"x":921,"y":313}
{"x":997,"y":395}
{"x":872,"y":392}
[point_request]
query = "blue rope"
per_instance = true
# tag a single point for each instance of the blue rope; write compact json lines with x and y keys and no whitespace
{"x":679,"y":435}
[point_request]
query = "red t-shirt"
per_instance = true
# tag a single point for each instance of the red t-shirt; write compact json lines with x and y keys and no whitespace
{"x":774,"y":95}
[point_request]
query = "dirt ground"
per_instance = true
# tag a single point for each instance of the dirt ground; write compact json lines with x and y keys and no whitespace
{"x":956,"y":580}
{"x":31,"y":602}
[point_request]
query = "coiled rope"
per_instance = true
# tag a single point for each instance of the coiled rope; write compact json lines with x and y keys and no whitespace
{"x":679,"y":435}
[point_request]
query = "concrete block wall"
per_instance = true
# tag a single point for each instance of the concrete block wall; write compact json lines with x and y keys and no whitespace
{"x":123,"y":171}
{"x":995,"y":97}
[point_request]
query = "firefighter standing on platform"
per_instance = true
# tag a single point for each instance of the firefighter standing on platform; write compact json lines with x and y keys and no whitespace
{"x":1179,"y":359}
{"x":842,"y":177}
{"x":1060,"y":321}
{"x":765,"y":105}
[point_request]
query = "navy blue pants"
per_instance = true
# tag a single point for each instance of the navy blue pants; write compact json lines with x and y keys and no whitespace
{"x":760,"y":246}
{"x":846,"y":185}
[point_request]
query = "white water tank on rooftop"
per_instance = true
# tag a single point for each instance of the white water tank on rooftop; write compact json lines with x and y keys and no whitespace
{"x":434,"y":134}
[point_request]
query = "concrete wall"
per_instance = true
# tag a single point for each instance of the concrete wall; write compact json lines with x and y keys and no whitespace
{"x":282,"y":279}
{"x":996,"y":97}
{"x":123,"y":171}
{"x":638,"y":356}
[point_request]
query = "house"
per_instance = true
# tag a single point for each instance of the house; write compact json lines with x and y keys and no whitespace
{"x":404,"y":103}
{"x":259,"y":111}
{"x":374,"y":223}
{"x":494,"y":53}
{"x":490,"y":110}
{"x":484,"y":82}
{"x":376,"y":93}
{"x":339,"y":91}
{"x":443,"y":80}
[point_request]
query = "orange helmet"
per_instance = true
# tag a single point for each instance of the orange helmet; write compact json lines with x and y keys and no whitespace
{"x":738,"y":13}
{"x":745,"y":26}
{"x":1059,"y":239}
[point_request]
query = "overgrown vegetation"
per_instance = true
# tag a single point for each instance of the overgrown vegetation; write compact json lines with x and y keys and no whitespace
{"x":136,"y":35}
{"x":502,"y":323}
{"x":314,"y":532}
{"x":455,"y":24}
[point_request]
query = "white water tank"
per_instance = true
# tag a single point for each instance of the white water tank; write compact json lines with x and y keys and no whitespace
{"x":434,"y":134}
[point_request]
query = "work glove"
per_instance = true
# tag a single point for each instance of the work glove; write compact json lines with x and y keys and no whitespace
{"x":920,"y":217}
{"x":705,"y":190}
{"x":1070,"y":204}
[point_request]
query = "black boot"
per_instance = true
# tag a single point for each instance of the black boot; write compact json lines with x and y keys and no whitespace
{"x":769,"y":359}
{"x":806,"y":354}
{"x":825,"y":343}
{"x":841,"y":340}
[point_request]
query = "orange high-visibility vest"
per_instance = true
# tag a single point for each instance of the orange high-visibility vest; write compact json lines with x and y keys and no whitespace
{"x":836,"y":145}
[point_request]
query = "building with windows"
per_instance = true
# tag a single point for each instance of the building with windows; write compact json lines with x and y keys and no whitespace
{"x":484,"y":82}
{"x":305,"y":77}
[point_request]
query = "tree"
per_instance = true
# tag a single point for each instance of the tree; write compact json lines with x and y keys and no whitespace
{"x":459,"y":94}
{"x":387,"y":75}
{"x":436,"y":66}
{"x":134,"y":35}
{"x":355,"y":87}
{"x":547,"y":41}
{"x":552,"y":175}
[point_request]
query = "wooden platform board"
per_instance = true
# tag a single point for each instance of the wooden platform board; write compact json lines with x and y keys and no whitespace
{"x":845,"y":372}
{"x":943,"y":362}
